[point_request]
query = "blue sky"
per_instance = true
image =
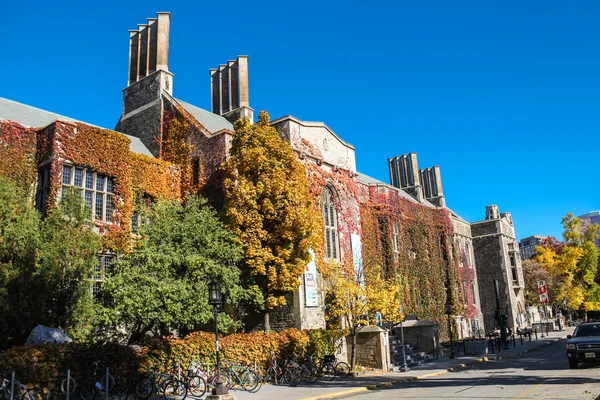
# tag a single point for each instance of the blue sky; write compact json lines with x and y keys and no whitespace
{"x":502,"y":95}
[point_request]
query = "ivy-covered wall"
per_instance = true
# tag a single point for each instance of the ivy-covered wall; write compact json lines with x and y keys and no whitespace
{"x":18,"y":159}
{"x":197,"y":152}
{"x":421,"y":258}
{"x":102,"y":150}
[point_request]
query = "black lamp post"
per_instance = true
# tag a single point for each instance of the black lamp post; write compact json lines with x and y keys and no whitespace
{"x":216,"y":299}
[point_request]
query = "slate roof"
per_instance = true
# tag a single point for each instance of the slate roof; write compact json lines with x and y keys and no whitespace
{"x":38,"y":118}
{"x":372,"y":181}
{"x":211,"y":121}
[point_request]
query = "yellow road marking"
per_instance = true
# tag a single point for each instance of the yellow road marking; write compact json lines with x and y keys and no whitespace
{"x":531,"y":389}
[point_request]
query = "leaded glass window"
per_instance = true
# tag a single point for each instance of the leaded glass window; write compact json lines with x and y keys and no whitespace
{"x":331,"y":227}
{"x":96,"y":190}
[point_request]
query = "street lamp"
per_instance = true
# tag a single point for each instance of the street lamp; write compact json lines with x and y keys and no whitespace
{"x":215,"y":299}
{"x":404,"y":367}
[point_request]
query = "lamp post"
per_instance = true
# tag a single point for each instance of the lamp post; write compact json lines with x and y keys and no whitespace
{"x":404,"y":367}
{"x":215,"y":299}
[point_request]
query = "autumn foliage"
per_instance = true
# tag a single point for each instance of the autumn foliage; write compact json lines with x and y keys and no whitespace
{"x":269,"y":206}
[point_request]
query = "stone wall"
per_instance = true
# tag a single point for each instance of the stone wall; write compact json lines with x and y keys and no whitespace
{"x":490,"y":265}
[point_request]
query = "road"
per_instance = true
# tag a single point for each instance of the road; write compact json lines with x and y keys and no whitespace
{"x":540,"y":374}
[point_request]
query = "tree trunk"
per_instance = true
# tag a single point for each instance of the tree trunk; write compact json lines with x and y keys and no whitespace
{"x":267,"y":322}
{"x":353,"y":354}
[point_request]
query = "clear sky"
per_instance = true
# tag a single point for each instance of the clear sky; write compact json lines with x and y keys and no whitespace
{"x":503,"y":95}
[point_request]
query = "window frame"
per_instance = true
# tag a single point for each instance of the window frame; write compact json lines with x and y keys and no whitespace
{"x":330,"y":224}
{"x":107,"y":207}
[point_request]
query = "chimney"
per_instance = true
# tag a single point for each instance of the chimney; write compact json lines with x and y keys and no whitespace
{"x":149,"y":47}
{"x":148,"y":79}
{"x":229,"y":90}
{"x":431,"y":182}
{"x":491,"y":212}
{"x":404,"y":174}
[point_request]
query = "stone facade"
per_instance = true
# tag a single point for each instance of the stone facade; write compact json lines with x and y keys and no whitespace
{"x":497,"y":258}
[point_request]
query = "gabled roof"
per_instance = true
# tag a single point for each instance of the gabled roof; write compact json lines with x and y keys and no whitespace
{"x":372,"y":181}
{"x":213,"y":122}
{"x":37,"y":118}
{"x":311,"y":124}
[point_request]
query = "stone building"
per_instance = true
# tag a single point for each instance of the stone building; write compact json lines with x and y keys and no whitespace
{"x":365,"y":220}
{"x":497,"y":258}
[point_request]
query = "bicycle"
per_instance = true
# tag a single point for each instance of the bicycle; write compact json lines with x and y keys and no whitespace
{"x":243,"y":376}
{"x":152,"y":383}
{"x":20,"y":391}
{"x":196,"y":385}
{"x":292,"y":372}
{"x":274,"y":372}
{"x":325,"y":368}
{"x":210,"y":376}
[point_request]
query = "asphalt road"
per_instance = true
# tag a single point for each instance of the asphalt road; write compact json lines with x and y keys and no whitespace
{"x":540,"y":374}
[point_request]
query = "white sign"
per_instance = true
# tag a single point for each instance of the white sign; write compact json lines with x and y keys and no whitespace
{"x":311,"y":292}
{"x":357,"y":257}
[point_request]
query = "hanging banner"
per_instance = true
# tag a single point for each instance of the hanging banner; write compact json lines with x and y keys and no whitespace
{"x":311,"y":293}
{"x":357,"y":257}
{"x":543,"y":292}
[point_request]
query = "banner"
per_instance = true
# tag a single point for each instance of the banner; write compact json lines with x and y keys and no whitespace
{"x":311,"y":292}
{"x":357,"y":257}
{"x":543,"y":292}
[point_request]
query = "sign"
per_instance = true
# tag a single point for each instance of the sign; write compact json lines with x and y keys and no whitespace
{"x":311,"y":292}
{"x":543,"y":292}
{"x":357,"y":257}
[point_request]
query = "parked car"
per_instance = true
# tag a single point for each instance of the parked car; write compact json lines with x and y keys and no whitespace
{"x":584,"y":344}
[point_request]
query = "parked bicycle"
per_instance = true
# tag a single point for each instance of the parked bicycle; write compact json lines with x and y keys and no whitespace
{"x":274,"y":372}
{"x":155,"y":383}
{"x":19,"y":391}
{"x":243,"y":376}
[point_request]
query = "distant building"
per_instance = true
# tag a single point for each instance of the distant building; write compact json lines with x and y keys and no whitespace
{"x":593,"y":217}
{"x":528,"y":245}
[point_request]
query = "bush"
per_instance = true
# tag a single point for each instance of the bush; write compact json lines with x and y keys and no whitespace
{"x":45,"y":366}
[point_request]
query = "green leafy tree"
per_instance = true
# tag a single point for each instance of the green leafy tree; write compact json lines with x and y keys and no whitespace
{"x":162,"y":284}
{"x":68,"y":254}
{"x":19,"y":240}
{"x":269,"y":206}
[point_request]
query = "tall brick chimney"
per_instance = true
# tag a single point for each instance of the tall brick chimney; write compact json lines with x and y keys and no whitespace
{"x":229,"y":90}
{"x":431,"y":182}
{"x":404,"y":174}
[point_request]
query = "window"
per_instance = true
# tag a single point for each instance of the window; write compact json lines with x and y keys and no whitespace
{"x":41,"y":197}
{"x":330,"y":222}
{"x":96,"y":190}
{"x":100,"y":269}
{"x":513,"y":268}
{"x":473,"y":293}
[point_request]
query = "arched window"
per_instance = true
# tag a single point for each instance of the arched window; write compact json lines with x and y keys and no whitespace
{"x":330,"y":222}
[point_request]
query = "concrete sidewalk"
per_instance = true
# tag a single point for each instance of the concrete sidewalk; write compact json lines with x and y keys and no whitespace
{"x":351,"y":386}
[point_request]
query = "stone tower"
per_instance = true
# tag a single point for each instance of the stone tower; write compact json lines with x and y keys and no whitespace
{"x":148,"y":79}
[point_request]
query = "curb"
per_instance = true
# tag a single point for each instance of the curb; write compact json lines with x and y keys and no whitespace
{"x":387,"y":385}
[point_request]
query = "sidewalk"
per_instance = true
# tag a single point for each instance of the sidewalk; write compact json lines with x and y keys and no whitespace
{"x":351,"y":386}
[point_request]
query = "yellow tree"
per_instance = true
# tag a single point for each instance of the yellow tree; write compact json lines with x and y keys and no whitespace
{"x":574,"y":266}
{"x":352,"y":303}
{"x":269,"y":206}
